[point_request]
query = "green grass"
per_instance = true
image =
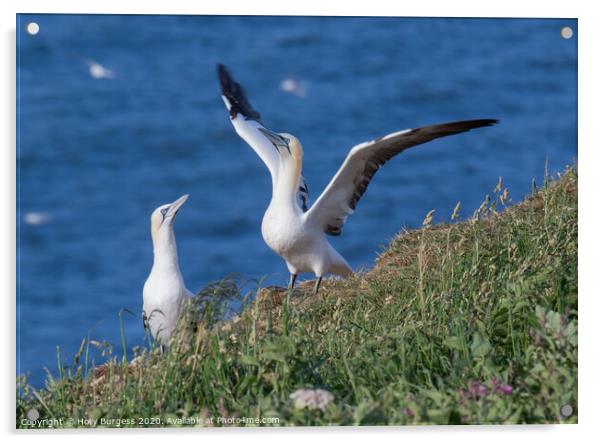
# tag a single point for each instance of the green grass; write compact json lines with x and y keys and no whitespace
{"x":471,"y":322}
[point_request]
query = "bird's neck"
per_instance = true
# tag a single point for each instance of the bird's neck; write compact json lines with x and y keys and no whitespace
{"x":284,"y":192}
{"x":166,"y":252}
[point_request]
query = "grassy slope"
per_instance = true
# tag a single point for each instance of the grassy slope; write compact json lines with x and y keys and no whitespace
{"x":472,"y":322}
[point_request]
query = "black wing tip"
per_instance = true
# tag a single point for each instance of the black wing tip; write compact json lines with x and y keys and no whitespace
{"x":484,"y":122}
{"x":225,"y":79}
{"x":472,"y":124}
{"x":457,"y":127}
{"x":235,"y":95}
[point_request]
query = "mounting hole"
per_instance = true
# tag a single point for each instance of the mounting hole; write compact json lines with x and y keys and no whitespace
{"x":32,"y":28}
{"x":566,"y":32}
{"x":33,"y":414}
{"x":566,"y":410}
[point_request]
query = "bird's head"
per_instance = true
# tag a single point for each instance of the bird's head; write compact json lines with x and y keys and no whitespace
{"x":285,"y":144}
{"x":163,"y":217}
{"x":294,"y":146}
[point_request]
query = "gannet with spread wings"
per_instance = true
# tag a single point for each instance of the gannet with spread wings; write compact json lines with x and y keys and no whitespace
{"x":293,"y":230}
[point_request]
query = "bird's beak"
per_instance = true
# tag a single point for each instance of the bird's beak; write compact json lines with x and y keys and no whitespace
{"x":276,"y":139}
{"x":175,"y":206}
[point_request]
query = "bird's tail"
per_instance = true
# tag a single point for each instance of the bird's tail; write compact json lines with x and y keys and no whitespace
{"x":338,"y":265}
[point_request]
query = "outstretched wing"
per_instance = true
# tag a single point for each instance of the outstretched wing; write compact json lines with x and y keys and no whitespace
{"x":340,"y":197}
{"x":247,"y":123}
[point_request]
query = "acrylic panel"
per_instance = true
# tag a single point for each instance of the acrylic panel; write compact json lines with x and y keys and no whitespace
{"x":462,"y":306}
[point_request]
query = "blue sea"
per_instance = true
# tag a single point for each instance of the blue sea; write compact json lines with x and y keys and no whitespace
{"x":120,"y":114}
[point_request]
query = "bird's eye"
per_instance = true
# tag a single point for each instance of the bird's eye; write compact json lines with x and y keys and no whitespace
{"x":164,"y":211}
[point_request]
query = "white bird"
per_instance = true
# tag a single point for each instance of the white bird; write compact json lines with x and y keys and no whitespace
{"x":294,"y":86}
{"x":164,"y":290}
{"x":297,"y":233}
{"x":98,"y":71}
{"x":36,"y":218}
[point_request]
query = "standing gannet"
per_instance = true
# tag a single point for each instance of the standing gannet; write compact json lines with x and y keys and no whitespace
{"x":294,"y":232}
{"x":164,"y":289}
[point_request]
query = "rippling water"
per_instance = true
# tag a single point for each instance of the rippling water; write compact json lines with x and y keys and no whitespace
{"x":119,"y":114}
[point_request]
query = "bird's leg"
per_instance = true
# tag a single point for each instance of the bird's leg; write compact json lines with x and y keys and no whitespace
{"x":291,"y":285}
{"x":317,"y":286}
{"x":144,"y":321}
{"x":291,"y":281}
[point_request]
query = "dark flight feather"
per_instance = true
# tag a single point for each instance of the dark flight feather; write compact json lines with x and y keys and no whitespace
{"x":376,"y":153}
{"x":236,"y":96}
